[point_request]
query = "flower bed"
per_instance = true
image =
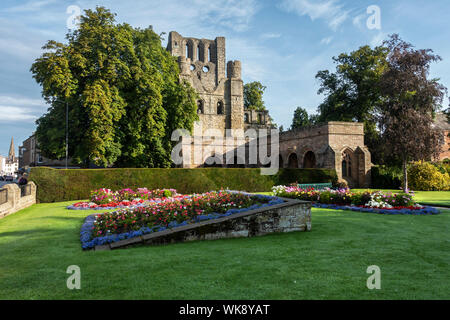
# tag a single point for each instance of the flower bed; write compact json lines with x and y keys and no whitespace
{"x":390,"y":211}
{"x":123,"y":224}
{"x":104,"y":199}
{"x":368,"y":201}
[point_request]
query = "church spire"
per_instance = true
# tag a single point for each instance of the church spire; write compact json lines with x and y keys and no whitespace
{"x":12,"y":154}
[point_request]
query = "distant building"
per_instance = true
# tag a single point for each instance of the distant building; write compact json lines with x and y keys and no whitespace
{"x":30,"y":156}
{"x":10,"y":164}
{"x":442,"y":124}
{"x":2,"y":164}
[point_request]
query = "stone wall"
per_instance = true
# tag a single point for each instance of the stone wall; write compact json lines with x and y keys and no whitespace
{"x":445,"y":154}
{"x":15,"y":201}
{"x":292,"y":215}
{"x":334,"y":145}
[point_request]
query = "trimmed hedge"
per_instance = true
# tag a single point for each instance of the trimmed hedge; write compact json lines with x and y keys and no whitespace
{"x":54,"y":185}
{"x":386,"y":177}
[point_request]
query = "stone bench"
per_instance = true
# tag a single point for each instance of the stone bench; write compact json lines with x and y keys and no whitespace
{"x":316,"y":186}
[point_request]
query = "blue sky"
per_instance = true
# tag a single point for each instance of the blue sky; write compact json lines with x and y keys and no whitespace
{"x":280,"y":43}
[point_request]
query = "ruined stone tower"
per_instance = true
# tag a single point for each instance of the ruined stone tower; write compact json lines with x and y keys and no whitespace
{"x":220,"y":87}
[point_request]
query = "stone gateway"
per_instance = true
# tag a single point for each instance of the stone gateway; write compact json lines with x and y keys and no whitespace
{"x":334,"y":145}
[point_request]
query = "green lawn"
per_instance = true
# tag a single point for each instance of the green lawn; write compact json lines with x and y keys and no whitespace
{"x":39,"y":243}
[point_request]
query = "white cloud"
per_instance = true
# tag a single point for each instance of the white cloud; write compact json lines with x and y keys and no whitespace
{"x":357,"y":21}
{"x":329,"y":10}
{"x":29,"y":6}
{"x":19,"y":48}
{"x":326,"y":40}
{"x":20,"y":109}
{"x":20,"y":101}
{"x":234,"y":14}
{"x":270,"y":35}
{"x":16,"y":114}
{"x":189,"y":15}
{"x":337,"y":20}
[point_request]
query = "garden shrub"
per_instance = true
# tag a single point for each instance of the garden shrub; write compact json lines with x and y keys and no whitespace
{"x":443,"y":167}
{"x":55,"y":185}
{"x":345,"y":197}
{"x":424,"y":176}
{"x":384,"y":177}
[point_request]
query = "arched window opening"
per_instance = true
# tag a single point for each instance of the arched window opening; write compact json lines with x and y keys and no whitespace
{"x":346,"y":164}
{"x":344,"y":168}
{"x":209,"y":54}
{"x":309,"y":161}
{"x":200,"y":109}
{"x":220,"y":107}
{"x":198,"y":53}
{"x":260,"y":118}
{"x":246,"y":118}
{"x":190,"y":50}
{"x":293,"y":161}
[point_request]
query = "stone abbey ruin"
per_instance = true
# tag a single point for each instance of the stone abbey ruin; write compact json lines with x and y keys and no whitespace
{"x":335,"y":145}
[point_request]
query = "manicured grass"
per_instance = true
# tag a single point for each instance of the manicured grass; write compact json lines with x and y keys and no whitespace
{"x":330,"y":262}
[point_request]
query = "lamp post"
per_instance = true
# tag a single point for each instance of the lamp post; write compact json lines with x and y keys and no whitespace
{"x":67,"y":133}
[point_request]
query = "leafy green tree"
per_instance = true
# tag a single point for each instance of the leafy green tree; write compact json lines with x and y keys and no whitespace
{"x":123,"y":91}
{"x":410,"y":100}
{"x":352,"y":92}
{"x":302,"y":119}
{"x":253,"y":96}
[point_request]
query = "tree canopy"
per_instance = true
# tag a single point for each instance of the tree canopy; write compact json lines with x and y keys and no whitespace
{"x":302,"y":119}
{"x":253,"y":96}
{"x":410,"y":101}
{"x":352,"y":92}
{"x":123,"y":92}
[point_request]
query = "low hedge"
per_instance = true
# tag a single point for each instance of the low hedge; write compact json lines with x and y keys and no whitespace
{"x":54,"y":185}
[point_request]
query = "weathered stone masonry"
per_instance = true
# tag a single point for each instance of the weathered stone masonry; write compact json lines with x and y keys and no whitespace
{"x":16,"y":200}
{"x":336,"y":145}
{"x":292,"y":215}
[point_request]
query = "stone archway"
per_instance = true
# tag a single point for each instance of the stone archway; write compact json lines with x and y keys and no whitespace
{"x":309,"y":160}
{"x":293,"y":161}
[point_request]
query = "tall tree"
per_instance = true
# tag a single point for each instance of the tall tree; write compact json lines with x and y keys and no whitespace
{"x":302,"y":119}
{"x":352,"y":92}
{"x":253,"y":96}
{"x":123,"y":92}
{"x":410,"y":100}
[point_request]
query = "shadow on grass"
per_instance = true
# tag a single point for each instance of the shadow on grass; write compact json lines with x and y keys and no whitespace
{"x":26,"y":232}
